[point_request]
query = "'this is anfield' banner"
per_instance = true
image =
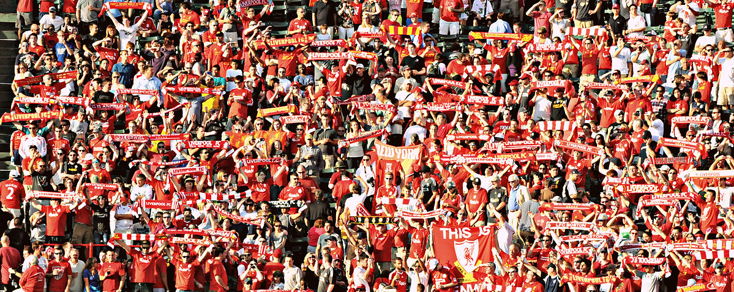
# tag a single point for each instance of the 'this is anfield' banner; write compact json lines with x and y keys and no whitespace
{"x":463,"y":249}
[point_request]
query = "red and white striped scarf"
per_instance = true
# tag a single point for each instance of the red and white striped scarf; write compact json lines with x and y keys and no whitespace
{"x":672,"y":160}
{"x":587,"y":31}
{"x":502,"y":288}
{"x":263,"y":161}
{"x":483,"y":69}
{"x":543,"y":126}
{"x":101,"y":186}
{"x":713,"y":254}
{"x":707,"y":174}
{"x":329,"y":43}
{"x":696,"y":120}
{"x":602,"y":85}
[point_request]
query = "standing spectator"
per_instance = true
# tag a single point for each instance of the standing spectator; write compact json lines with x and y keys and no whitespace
{"x":449,"y":22}
{"x":324,"y":13}
{"x":10,"y":259}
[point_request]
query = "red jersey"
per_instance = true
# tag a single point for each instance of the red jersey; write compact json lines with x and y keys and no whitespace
{"x":722,"y":15}
{"x":144,"y":266}
{"x":443,"y":276}
{"x":33,"y":279}
{"x":55,"y":220}
{"x":11,"y":193}
{"x":58,"y":282}
{"x":475,"y":199}
{"x":446,"y":13}
{"x":216,"y":268}
{"x":589,"y":58}
{"x":114,"y":271}
{"x":334,"y":81}
{"x":414,"y":6}
{"x":302,"y":24}
{"x":418,"y":242}
{"x":240,"y":99}
{"x":399,"y":280}
{"x":185,"y":274}
{"x":383,"y":244}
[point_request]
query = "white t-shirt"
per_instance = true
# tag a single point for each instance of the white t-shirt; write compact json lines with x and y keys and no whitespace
{"x":705,"y":40}
{"x":635,"y":23}
{"x":57,"y":22}
{"x":358,"y":278}
{"x":620,"y":61}
{"x":123,"y":225}
{"x":146,"y":191}
{"x":127,"y":34}
{"x":726,"y":77}
{"x":637,"y":66}
{"x":77,"y":283}
{"x":542,"y":109}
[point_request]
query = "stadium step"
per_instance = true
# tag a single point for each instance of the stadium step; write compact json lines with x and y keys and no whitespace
{"x":8,"y":50}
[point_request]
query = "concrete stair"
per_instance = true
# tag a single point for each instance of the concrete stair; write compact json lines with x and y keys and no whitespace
{"x":8,"y":52}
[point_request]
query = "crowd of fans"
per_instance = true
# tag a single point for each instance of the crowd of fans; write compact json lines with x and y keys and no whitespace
{"x":169,"y":145}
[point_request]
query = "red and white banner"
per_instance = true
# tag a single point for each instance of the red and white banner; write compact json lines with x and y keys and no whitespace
{"x":421,"y":215}
{"x":707,"y":174}
{"x":467,"y":137}
{"x":101,"y":186}
{"x":446,"y":82}
{"x":672,"y":160}
{"x":593,"y":150}
{"x":608,"y":86}
{"x":205,"y":144}
{"x":584,"y":237}
{"x":696,"y":120}
{"x":137,"y":91}
{"x":545,"y":48}
{"x":108,"y":106}
{"x":263,"y":161}
{"x":297,"y":119}
{"x":355,"y":99}
{"x":329,"y":43}
{"x":576,"y":251}
{"x":510,"y":146}
{"x":439,"y":106}
{"x":50,"y":195}
{"x":684,"y":144}
{"x":642,"y":261}
{"x":248,"y":3}
{"x":374,"y":106}
{"x":639,"y":188}
{"x":470,"y":159}
{"x":194,"y":170}
{"x":126,"y":5}
{"x":483,"y":100}
{"x":550,"y":84}
{"x":555,"y":225}
{"x":463,"y":249}
{"x":589,"y":207}
{"x":20,"y":117}
{"x":325,"y":56}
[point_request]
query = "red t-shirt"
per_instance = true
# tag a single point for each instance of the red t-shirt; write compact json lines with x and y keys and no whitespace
{"x":722,"y":15}
{"x":589,"y":58}
{"x":443,"y":276}
{"x":216,"y":268}
{"x":115,"y":272}
{"x":185,"y":274}
{"x":11,"y":192}
{"x":418,"y":242}
{"x":63,"y":272}
{"x":414,"y":6}
{"x":334,"y":81}
{"x":302,"y":24}
{"x":239,"y":100}
{"x":383,"y":243}
{"x":33,"y":279}
{"x":55,"y":220}
{"x":446,"y":13}
{"x":475,"y":199}
{"x":143,"y":267}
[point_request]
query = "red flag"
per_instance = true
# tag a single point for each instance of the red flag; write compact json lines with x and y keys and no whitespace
{"x":463,"y":249}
